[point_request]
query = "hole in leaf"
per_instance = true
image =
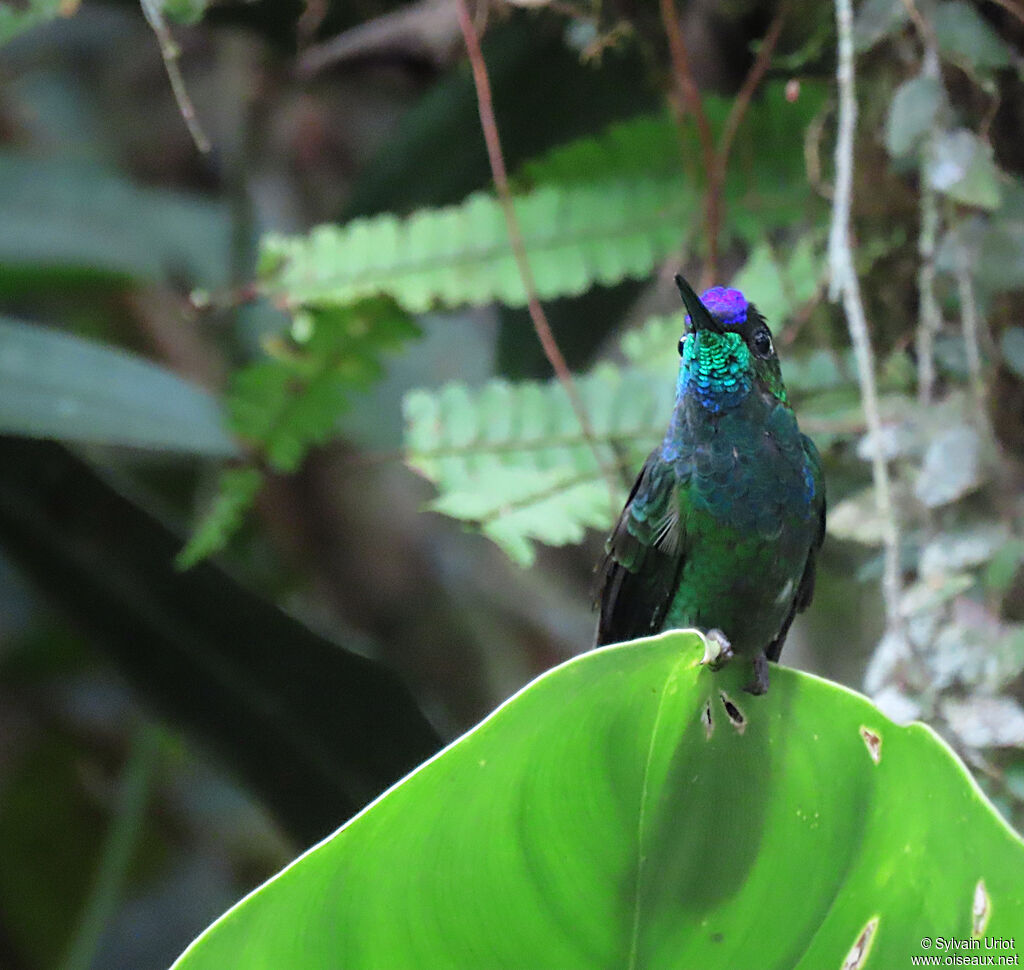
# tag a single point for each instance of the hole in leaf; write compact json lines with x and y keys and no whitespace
{"x":706,"y":720}
{"x":873,"y":742}
{"x":735,"y":715}
{"x":859,"y":952}
{"x":981,"y":908}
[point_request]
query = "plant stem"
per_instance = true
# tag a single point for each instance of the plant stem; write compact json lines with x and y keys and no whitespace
{"x":844,"y":284}
{"x":492,"y":139}
{"x":122,"y":838}
{"x":929,"y":320}
{"x":170,"y":52}
{"x":971,"y":331}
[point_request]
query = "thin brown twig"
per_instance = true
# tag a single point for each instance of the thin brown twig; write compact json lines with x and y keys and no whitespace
{"x":920,"y":24}
{"x":716,"y":177}
{"x":683,"y":74}
{"x":170,"y":52}
{"x":492,"y":139}
{"x":689,"y":93}
{"x":716,"y":157}
{"x":754,"y":77}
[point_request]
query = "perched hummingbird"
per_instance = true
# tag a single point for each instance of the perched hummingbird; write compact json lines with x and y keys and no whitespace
{"x":724,"y":523}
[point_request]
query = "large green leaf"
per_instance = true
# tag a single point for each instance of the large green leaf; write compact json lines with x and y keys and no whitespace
{"x":56,"y":385}
{"x":68,"y":215}
{"x":633,"y":809}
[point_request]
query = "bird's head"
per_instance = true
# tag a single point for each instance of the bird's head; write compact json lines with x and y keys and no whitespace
{"x":727,"y":350}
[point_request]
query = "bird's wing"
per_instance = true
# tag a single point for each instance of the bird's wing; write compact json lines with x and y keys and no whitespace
{"x":805,"y":590}
{"x":645,"y":554}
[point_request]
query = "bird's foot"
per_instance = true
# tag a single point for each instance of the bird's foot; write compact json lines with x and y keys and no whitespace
{"x":717,"y":649}
{"x":759,"y":685}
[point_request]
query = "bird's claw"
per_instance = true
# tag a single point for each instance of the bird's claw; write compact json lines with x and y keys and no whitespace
{"x":759,"y":685}
{"x":717,"y":649}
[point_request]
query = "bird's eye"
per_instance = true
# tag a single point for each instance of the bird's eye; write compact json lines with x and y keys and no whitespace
{"x":682,"y":340}
{"x":763,"y":343}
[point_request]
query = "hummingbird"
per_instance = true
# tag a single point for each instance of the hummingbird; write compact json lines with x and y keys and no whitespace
{"x":722,"y":528}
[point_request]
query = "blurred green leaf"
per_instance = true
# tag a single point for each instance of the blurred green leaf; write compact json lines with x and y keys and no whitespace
{"x":237,"y":489}
{"x":653,"y":146}
{"x":1004,"y":566}
{"x":780,"y":283}
{"x":633,"y":808}
{"x":605,"y":209}
{"x":913,"y":111}
{"x":17,"y":18}
{"x":965,"y":37}
{"x":951,"y":467}
{"x":185,"y":11}
{"x":291,"y":401}
{"x":644,"y":146}
{"x":876,"y":19}
{"x":819,"y":370}
{"x":654,"y":345}
{"x":510,"y":457}
{"x":67,"y":214}
{"x":315,"y":729}
{"x":1011,"y":344}
{"x":48,"y":845}
{"x":56,"y":385}
{"x":962,"y":168}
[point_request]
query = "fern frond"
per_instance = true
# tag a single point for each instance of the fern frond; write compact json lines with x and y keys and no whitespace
{"x":236,"y":491}
{"x":290,"y":401}
{"x":646,"y":145}
{"x":511,"y":457}
{"x":283,"y":405}
{"x":574,"y":237}
{"x":603,"y":209}
{"x":654,"y":345}
{"x":780,"y":283}
{"x":766,"y":175}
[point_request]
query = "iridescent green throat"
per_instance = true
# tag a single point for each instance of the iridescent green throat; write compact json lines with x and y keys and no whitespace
{"x":716,"y":369}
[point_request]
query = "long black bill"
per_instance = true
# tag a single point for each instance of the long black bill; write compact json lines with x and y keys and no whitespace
{"x":700,"y":318}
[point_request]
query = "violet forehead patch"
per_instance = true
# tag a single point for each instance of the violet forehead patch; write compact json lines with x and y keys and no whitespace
{"x":728,"y":305}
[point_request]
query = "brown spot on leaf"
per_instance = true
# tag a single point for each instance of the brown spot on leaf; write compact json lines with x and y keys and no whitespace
{"x":859,"y":951}
{"x":873,"y":742}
